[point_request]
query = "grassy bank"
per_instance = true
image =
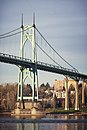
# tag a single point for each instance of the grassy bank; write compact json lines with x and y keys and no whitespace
{"x":60,"y":111}
{"x":84,"y":109}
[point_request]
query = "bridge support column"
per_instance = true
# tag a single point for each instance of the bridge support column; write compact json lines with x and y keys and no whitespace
{"x":67,"y":95}
{"x":83,"y":94}
{"x":28,"y":33}
{"x":20,"y":85}
{"x":33,"y":86}
{"x":34,"y":60}
{"x":77,"y":97}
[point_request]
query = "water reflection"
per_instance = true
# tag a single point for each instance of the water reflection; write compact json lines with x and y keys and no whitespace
{"x":20,"y":126}
{"x":51,"y":126}
{"x":47,"y":126}
{"x":26,"y":126}
{"x":43,"y":126}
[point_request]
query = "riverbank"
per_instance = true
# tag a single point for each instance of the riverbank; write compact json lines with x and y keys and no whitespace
{"x":54,"y":111}
{"x":62,"y":111}
{"x":5,"y":113}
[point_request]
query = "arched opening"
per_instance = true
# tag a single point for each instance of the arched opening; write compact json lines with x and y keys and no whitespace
{"x":72,"y":95}
{"x":84,"y":94}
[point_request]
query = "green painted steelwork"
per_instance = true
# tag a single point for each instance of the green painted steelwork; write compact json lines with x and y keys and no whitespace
{"x":28,"y":33}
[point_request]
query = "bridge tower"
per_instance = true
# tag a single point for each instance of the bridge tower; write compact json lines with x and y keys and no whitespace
{"x":28,"y":33}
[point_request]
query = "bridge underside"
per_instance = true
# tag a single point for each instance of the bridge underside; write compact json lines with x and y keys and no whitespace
{"x":26,"y":63}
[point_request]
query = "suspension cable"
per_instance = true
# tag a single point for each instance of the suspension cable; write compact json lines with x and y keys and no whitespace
{"x":55,"y":50}
{"x":10,"y":35}
{"x":6,"y":35}
{"x":9,"y":32}
{"x":49,"y":56}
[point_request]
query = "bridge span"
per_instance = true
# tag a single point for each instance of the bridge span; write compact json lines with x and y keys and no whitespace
{"x":27,"y":63}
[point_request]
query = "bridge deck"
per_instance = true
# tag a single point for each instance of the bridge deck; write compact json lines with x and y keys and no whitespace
{"x":27,"y":63}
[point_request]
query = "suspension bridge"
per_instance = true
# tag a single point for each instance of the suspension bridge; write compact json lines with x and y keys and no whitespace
{"x":28,"y":68}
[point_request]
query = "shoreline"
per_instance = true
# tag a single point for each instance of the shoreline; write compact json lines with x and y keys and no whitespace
{"x":46,"y":113}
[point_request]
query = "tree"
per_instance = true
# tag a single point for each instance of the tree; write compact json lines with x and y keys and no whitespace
{"x":54,"y":101}
{"x":42,"y":87}
{"x":47,"y":85}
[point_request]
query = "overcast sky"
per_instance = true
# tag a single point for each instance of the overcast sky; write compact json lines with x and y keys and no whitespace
{"x":62,"y":22}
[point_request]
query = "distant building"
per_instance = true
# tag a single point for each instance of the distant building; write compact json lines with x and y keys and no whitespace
{"x":58,"y":85}
{"x":59,"y":88}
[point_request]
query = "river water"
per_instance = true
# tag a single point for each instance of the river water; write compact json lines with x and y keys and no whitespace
{"x":50,"y":122}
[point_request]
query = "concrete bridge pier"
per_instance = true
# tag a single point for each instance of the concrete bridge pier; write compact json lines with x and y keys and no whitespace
{"x":83,"y":93}
{"x":67,"y":95}
{"x":67,"y":85}
{"x":77,"y":97}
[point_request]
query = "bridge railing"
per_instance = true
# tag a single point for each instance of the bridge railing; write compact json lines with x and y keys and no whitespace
{"x":41,"y":65}
{"x":38,"y":62}
{"x":54,"y":66}
{"x":15,"y":57}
